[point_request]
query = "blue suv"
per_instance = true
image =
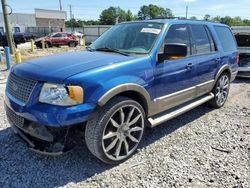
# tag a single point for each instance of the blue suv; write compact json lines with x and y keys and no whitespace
{"x":137,"y":74}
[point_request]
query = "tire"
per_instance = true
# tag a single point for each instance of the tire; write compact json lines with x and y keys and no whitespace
{"x":108,"y":138}
{"x":72,"y":44}
{"x":220,"y":91}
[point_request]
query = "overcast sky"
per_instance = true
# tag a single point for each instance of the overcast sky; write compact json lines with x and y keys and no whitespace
{"x":91,"y":9}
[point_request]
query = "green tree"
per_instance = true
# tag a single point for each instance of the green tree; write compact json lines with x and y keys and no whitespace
{"x":207,"y":17}
{"x":193,"y":18}
{"x":109,"y":16}
{"x":216,"y":19}
{"x":153,"y":12}
{"x":130,"y":16}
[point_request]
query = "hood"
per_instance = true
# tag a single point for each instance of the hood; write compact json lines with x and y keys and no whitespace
{"x":57,"y":68}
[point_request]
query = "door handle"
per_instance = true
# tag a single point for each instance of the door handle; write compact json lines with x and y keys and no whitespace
{"x":189,"y":66}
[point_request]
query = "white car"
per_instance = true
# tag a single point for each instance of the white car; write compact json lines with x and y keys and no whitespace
{"x":243,"y":41}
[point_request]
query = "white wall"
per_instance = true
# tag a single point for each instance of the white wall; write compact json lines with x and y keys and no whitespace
{"x":20,"y":20}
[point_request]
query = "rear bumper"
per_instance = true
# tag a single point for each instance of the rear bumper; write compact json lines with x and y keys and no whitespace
{"x":244,"y":72}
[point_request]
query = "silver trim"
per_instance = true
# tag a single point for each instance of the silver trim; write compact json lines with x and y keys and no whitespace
{"x":174,"y":99}
{"x":171,"y":115}
{"x":122,"y":88}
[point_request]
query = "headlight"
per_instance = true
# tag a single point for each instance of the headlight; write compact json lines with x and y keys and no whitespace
{"x":61,"y":95}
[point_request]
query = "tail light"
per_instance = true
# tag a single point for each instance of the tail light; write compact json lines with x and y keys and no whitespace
{"x":237,"y":57}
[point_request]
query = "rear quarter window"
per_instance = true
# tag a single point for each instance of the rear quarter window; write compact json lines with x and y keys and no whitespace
{"x":226,"y":38}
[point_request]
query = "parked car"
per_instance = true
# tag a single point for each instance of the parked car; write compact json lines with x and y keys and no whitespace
{"x":136,"y":75}
{"x":57,"y":39}
{"x":19,"y":38}
{"x":243,"y":41}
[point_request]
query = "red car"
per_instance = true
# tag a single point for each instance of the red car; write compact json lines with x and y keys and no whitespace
{"x":57,"y":39}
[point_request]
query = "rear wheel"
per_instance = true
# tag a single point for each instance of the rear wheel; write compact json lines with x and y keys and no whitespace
{"x":220,"y":91}
{"x":115,"y":130}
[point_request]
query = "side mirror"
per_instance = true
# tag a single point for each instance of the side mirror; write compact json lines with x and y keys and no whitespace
{"x":173,"y":51}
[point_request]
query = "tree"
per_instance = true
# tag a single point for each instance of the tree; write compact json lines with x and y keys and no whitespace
{"x":193,"y":18}
{"x":153,"y":12}
{"x":109,"y":16}
{"x":216,"y":19}
{"x":207,"y":17}
{"x":130,"y":16}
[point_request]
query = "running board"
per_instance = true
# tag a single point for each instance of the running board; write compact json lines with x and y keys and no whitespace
{"x":169,"y":115}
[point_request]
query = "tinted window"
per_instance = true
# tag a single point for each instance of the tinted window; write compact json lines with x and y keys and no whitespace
{"x":201,"y":39}
{"x":57,"y":35}
{"x":226,"y":38}
{"x":177,"y":34}
{"x":211,"y":40}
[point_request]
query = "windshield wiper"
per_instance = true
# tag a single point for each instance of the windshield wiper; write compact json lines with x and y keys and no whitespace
{"x":107,"y":49}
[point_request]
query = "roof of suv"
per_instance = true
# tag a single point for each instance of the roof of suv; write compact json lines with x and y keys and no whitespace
{"x":164,"y":21}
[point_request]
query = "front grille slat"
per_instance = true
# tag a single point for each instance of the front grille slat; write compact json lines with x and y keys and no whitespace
{"x":20,"y":88}
{"x":14,"y":118}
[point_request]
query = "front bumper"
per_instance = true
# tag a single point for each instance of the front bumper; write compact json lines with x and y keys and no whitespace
{"x":44,"y":139}
{"x":244,"y":72}
{"x":50,"y":115}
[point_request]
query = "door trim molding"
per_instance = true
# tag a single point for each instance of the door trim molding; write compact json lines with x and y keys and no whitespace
{"x":166,"y":102}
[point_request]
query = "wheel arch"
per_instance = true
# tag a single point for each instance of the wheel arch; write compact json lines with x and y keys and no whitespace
{"x":133,"y":91}
{"x":224,"y":68}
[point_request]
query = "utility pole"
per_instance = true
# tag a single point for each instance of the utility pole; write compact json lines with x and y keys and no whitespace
{"x":70,"y":11}
{"x":60,"y":2}
{"x":186,"y":11}
{"x":9,"y":35}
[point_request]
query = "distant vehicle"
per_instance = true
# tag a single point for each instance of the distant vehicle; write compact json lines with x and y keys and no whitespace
{"x":243,"y":41}
{"x":78,"y":34}
{"x":135,"y":75}
{"x":57,"y":39}
{"x":19,"y":38}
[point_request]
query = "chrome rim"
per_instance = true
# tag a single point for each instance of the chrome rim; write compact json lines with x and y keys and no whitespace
{"x":123,"y":132}
{"x":222,"y":90}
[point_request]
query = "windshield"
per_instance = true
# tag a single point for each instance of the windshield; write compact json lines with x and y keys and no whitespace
{"x":129,"y":37}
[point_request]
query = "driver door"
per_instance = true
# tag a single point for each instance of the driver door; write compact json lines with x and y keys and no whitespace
{"x":174,"y":78}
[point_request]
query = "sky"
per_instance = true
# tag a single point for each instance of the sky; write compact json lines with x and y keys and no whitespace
{"x":91,"y":9}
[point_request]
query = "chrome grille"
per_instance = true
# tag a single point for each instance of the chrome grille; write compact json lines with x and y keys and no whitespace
{"x":14,"y":118}
{"x":20,"y":88}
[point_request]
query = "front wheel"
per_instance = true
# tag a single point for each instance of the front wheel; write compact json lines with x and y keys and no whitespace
{"x":114,"y":131}
{"x":220,"y":91}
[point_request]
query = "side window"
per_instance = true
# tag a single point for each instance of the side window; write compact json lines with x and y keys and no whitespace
{"x":16,"y":29}
{"x":226,"y":38}
{"x":57,"y":35}
{"x":2,"y":30}
{"x":177,"y":34}
{"x":201,"y":39}
{"x":211,"y":40}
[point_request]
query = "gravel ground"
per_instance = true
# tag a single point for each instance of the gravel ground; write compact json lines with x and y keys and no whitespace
{"x":202,"y":148}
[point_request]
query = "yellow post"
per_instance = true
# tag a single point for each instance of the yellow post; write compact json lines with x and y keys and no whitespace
{"x":32,"y":49}
{"x":43,"y":44}
{"x":18,"y":56}
{"x":84,"y":42}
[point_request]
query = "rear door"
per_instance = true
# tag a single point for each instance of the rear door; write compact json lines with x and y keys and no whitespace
{"x":206,"y":55}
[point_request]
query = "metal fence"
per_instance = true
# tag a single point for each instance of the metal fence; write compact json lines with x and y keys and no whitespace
{"x":41,"y":31}
{"x":92,"y":32}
